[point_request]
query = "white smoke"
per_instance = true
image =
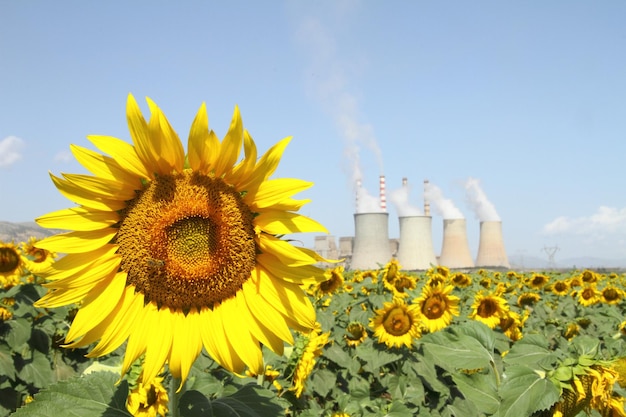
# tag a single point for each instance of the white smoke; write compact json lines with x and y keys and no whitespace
{"x":328,"y":84}
{"x":400,"y":199}
{"x":478,"y":202}
{"x":443,"y":206}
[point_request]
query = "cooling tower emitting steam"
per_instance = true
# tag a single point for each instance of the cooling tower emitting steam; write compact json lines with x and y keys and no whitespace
{"x":443,"y":206}
{"x":491,"y":252}
{"x":400,"y":200}
{"x":478,"y":202}
{"x":455,"y":251}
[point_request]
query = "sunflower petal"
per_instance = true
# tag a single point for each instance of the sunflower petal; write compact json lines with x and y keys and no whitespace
{"x":297,"y":275}
{"x":77,"y":194}
{"x":138,"y":339}
{"x":77,"y":242}
{"x":187,"y":344}
{"x":104,"y":166}
{"x":274,"y":191}
{"x":231,"y":145}
{"x":165,"y":141}
{"x":281,"y":223}
{"x":244,"y":169}
{"x":97,"y":305}
{"x":203,"y":145}
{"x":88,"y":276}
{"x":73,"y":263}
{"x":123,"y":153}
{"x":284,"y":251}
{"x":244,"y":344}
{"x":79,"y":219}
{"x":266,"y":166}
{"x":160,"y":325}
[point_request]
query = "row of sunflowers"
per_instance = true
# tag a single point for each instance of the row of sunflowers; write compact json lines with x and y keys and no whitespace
{"x":387,"y":342}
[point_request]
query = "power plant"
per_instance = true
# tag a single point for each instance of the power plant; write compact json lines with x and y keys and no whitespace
{"x":371,"y":247}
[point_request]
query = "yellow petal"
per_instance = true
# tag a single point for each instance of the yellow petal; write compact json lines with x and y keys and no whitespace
{"x":101,"y":187}
{"x":165,"y":141}
{"x":244,"y":344}
{"x":284,"y":251}
{"x":62,"y":297}
{"x":123,"y":153}
{"x":231,"y":145}
{"x":77,"y":242}
{"x":289,"y":299}
{"x":97,"y":305}
{"x":89,"y":276}
{"x":209,"y":333}
{"x":117,"y":327}
{"x":140,"y":134}
{"x":266,"y":315}
{"x":79,"y":219}
{"x":79,"y":196}
{"x":298,"y":275}
{"x":160,"y":326}
{"x":227,"y":356}
{"x":203,"y":146}
{"x":265,"y":166}
{"x":273,"y":191}
{"x":281,"y":223}
{"x":138,"y":339}
{"x":74,"y":263}
{"x":186,"y":345}
{"x":104,"y":166}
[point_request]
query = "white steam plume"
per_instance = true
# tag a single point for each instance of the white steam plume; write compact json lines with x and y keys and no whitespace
{"x":443,"y":206}
{"x":478,"y":202}
{"x":328,"y":85}
{"x":10,"y":150}
{"x":400,"y":199}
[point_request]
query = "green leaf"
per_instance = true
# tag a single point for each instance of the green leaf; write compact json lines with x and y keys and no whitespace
{"x":7,"y":367}
{"x":452,"y":351}
{"x":478,"y":331}
{"x":480,"y":389}
{"x":249,"y":401}
{"x":524,"y":392}
{"x":375,"y":357}
{"x":19,"y":333}
{"x":322,"y":381}
{"x":532,"y":355}
{"x":92,"y":395}
{"x":37,"y":371}
{"x":397,"y":409}
{"x":342,"y":358}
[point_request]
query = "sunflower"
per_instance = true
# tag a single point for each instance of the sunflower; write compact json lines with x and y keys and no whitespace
{"x":5,"y":314}
{"x":588,"y":276}
{"x":396,"y":324}
{"x":588,"y":295}
{"x":333,"y":281}
{"x":512,"y":323}
{"x":11,"y":264}
{"x":611,"y":295}
{"x":37,"y":259}
{"x":560,"y":287}
{"x":313,"y":343}
{"x":391,"y":271}
{"x":489,"y":308}
{"x":537,"y":281}
{"x":528,"y":299}
{"x":174,"y":252}
{"x":148,"y":399}
{"x":355,"y":334}
{"x":461,"y":280}
{"x":437,"y":306}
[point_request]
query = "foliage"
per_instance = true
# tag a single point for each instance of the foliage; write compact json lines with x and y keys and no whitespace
{"x":525,"y":364}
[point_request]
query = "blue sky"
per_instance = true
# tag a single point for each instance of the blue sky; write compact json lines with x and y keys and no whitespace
{"x":524,"y":99}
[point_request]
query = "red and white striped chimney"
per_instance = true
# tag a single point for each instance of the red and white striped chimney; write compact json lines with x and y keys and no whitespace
{"x":426,"y":202}
{"x":383,"y":195}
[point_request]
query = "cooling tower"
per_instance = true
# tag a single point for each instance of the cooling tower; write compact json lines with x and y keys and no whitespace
{"x":455,"y":251}
{"x":371,"y":241}
{"x":416,"y":243}
{"x":491,"y":251}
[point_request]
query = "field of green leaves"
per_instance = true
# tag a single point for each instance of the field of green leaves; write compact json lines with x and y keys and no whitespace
{"x":389,"y":343}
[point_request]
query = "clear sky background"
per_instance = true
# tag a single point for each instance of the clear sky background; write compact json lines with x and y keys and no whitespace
{"x":526,"y":100}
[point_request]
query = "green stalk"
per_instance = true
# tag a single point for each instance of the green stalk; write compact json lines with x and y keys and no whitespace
{"x":173,"y":397}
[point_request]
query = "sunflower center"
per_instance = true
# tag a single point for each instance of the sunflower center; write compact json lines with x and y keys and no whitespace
{"x":187,"y":240}
{"x":9,"y":259}
{"x":397,"y":322}
{"x":610,"y":294}
{"x":434,"y":307}
{"x":39,"y":255}
{"x":487,"y":308}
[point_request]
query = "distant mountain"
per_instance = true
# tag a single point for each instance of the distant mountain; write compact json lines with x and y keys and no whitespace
{"x":21,"y":232}
{"x":519,"y":262}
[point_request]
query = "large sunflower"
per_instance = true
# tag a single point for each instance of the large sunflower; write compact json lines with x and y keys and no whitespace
{"x":11,"y":264}
{"x":396,"y":324}
{"x":437,"y":306}
{"x":174,"y":252}
{"x":489,"y":308}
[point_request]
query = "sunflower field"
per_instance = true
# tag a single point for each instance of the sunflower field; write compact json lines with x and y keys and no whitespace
{"x":387,"y":343}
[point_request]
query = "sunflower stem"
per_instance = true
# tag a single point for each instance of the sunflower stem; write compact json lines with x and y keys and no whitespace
{"x":173,"y":397}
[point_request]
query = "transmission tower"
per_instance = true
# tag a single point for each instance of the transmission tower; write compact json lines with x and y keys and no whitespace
{"x":550,"y":251}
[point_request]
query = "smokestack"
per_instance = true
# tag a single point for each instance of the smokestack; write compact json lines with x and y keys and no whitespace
{"x":405,"y":181}
{"x":371,"y":241}
{"x":416,"y":244}
{"x":426,"y":202}
{"x":455,"y":251}
{"x":383,"y":196}
{"x":491,"y":251}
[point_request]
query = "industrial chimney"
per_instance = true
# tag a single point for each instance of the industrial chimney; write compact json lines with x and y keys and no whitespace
{"x":416,"y":244}
{"x":491,"y":251}
{"x":455,"y":251}
{"x":383,"y":194}
{"x":371,"y":241}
